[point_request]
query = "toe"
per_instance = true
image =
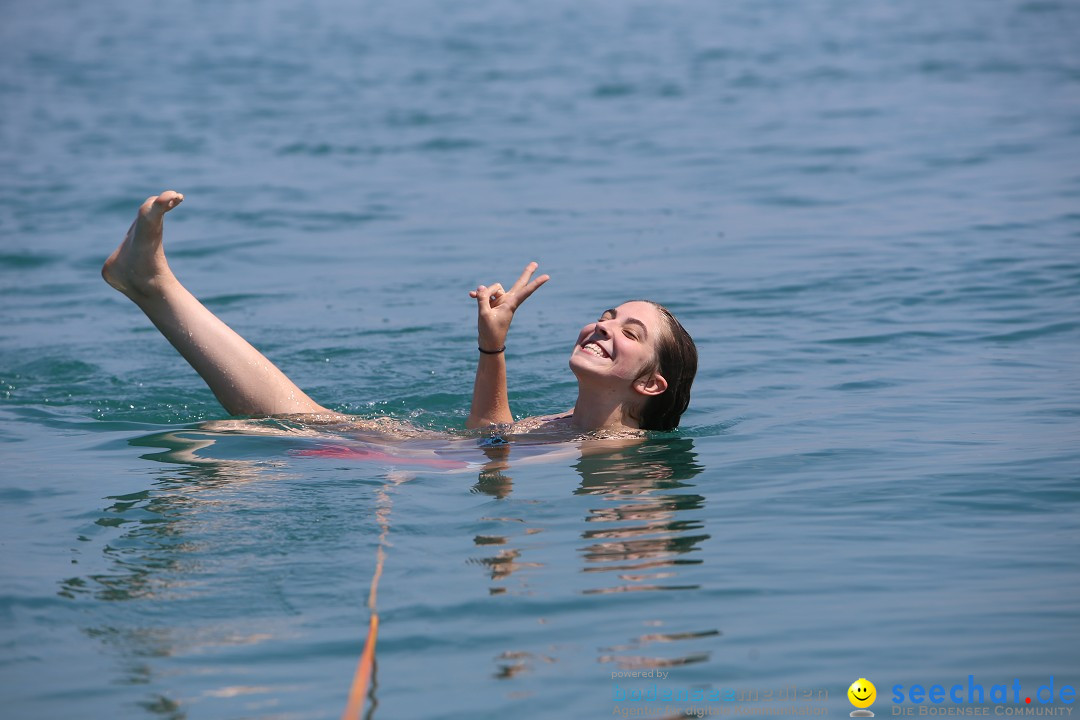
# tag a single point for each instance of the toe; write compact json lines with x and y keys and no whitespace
{"x":157,"y":205}
{"x":169,"y":199}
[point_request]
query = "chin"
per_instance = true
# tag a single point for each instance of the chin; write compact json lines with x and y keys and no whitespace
{"x":579,"y":361}
{"x":580,"y":367}
{"x":587,"y":369}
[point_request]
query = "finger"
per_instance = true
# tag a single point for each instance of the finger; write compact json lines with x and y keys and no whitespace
{"x":496,"y":296}
{"x":482,"y":294}
{"x":525,"y":275}
{"x":532,"y":287}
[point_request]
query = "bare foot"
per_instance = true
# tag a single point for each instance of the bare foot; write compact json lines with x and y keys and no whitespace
{"x":138,"y":266}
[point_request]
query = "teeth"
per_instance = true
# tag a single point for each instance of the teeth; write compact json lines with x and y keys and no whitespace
{"x":594,"y":348}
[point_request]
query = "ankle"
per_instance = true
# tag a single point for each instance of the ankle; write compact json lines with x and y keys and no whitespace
{"x":153,"y":288}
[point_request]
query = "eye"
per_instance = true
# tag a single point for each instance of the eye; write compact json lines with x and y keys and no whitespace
{"x":630,"y":334}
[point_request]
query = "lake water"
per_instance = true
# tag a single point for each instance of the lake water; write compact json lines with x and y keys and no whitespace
{"x":867,"y":214}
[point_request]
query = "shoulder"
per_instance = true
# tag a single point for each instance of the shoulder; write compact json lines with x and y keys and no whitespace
{"x":547,"y":422}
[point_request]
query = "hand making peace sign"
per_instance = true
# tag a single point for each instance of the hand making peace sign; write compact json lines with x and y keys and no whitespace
{"x":496,"y":306}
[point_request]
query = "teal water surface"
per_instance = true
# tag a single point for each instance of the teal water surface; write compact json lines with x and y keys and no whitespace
{"x":867,"y":214}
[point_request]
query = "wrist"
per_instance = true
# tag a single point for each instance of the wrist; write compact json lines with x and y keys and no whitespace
{"x":491,"y":341}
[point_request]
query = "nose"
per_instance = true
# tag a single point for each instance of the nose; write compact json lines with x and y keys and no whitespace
{"x":601,"y":328}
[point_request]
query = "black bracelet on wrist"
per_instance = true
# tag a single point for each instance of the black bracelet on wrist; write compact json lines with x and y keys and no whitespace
{"x":491,"y":352}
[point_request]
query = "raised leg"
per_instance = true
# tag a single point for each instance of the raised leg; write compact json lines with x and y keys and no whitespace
{"x":241,"y":377}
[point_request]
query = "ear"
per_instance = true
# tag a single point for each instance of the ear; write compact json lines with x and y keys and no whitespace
{"x":653,"y":384}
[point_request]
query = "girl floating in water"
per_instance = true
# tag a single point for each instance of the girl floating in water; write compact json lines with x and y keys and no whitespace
{"x":634,"y":365}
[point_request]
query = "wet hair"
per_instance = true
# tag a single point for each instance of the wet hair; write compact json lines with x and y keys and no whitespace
{"x":676,"y":360}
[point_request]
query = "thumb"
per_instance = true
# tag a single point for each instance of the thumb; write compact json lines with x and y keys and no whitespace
{"x":482,"y":295}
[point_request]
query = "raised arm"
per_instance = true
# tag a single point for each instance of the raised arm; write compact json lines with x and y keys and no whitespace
{"x":495,"y":310}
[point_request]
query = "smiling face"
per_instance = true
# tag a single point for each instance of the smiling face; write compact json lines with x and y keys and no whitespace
{"x":862,"y":693}
{"x":620,"y":346}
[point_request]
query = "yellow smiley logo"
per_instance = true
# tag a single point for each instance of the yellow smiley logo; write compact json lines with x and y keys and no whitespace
{"x":862,"y":693}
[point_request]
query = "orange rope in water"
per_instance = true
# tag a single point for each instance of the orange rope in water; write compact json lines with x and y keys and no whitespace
{"x":364,"y":668}
{"x":363,"y":673}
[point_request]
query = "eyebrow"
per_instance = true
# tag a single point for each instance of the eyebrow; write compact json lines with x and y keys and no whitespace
{"x":635,"y":321}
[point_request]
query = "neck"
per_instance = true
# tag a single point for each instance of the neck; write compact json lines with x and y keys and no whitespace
{"x":599,"y":410}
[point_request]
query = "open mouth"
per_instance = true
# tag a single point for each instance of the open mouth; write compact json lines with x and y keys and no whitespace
{"x":595,"y":349}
